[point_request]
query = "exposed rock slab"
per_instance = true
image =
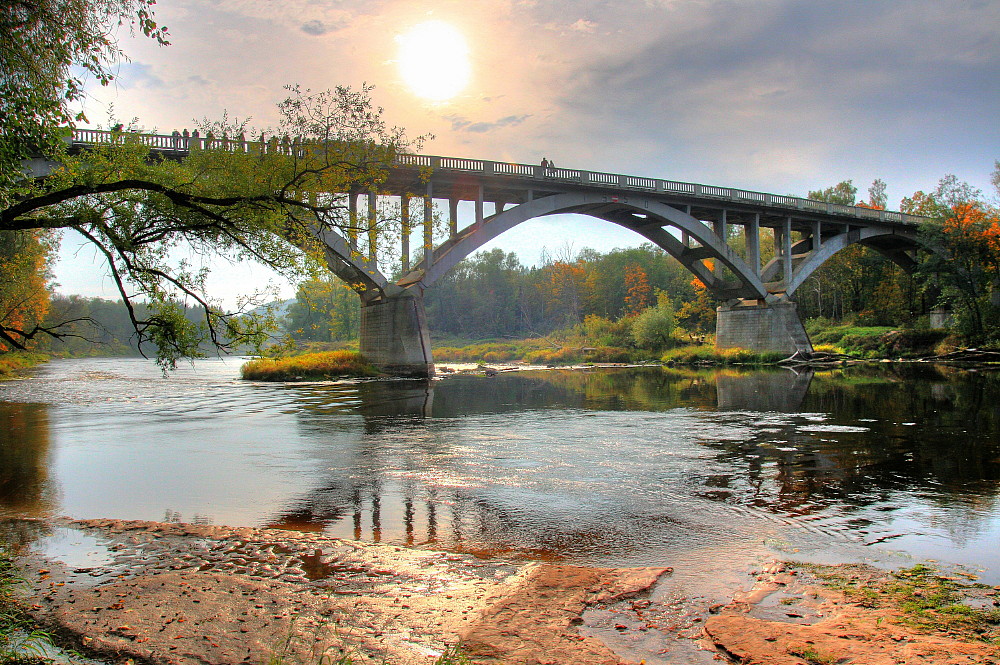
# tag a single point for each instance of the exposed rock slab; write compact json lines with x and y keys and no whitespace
{"x":186,"y":594}
{"x":789,"y":618}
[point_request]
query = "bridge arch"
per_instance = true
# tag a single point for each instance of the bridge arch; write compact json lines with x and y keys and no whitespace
{"x":644,"y":216}
{"x":810,"y":254}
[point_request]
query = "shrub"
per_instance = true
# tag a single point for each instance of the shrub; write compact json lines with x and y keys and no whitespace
{"x":654,"y":327}
{"x":327,"y":365}
{"x":708,"y":354}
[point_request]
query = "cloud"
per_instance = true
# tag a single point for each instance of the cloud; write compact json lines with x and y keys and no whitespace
{"x":461,"y":124}
{"x":583,"y":25}
{"x":318,"y":28}
{"x":138,"y":75}
{"x":786,"y":86}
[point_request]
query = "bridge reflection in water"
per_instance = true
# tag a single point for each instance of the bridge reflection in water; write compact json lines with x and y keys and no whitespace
{"x":697,"y":448}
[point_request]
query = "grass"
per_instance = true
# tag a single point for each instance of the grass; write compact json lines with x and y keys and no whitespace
{"x":22,"y":642}
{"x":536,"y":351}
{"x":13,"y":363}
{"x":711,"y":355}
{"x":813,"y":657}
{"x":924,"y":599}
{"x":309,"y":366}
{"x":877,"y":341}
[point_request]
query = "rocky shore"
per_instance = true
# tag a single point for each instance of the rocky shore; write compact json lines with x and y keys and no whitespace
{"x":168,"y":593}
{"x":180,"y":593}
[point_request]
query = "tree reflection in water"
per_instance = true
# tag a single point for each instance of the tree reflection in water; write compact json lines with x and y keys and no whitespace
{"x":25,"y":487}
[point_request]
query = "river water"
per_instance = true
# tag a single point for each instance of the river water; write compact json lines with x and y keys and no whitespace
{"x":709,"y":471}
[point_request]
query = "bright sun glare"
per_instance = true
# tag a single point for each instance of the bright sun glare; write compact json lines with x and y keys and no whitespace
{"x":434,"y":60}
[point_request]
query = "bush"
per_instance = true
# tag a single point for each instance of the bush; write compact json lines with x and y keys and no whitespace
{"x":327,"y":365}
{"x":654,"y":327}
{"x":608,"y":354}
{"x":599,"y":331}
{"x":686,"y":355}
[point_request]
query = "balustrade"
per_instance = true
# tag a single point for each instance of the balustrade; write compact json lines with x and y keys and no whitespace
{"x":181,"y":144}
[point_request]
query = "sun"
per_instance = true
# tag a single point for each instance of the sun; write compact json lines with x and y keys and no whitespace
{"x":434,"y":60}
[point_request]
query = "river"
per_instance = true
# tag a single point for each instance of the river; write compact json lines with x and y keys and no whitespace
{"x":711,"y":471}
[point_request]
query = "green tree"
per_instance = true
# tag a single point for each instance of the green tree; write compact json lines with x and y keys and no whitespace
{"x":225,"y":202}
{"x":844,"y":193}
{"x":46,"y":49}
{"x":654,"y":327}
{"x":325,"y":310}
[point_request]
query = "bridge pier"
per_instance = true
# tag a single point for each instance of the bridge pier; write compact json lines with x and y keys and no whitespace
{"x":771,"y":325}
{"x":395,"y":337}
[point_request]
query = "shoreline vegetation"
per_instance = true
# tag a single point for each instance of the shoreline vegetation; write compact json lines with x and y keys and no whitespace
{"x":12,"y":364}
{"x":835,"y":345}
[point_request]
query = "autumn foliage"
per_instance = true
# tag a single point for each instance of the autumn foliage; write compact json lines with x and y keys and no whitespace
{"x":24,"y":296}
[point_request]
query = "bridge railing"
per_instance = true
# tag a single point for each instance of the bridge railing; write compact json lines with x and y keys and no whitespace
{"x":182,"y":144}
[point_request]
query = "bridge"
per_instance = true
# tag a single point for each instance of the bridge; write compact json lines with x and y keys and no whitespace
{"x":697,"y":224}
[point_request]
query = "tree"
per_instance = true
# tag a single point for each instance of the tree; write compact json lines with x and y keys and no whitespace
{"x":697,"y":316}
{"x":966,"y":263}
{"x":844,"y":193}
{"x":637,"y":289}
{"x":654,"y":327}
{"x":877,"y":197}
{"x":325,"y":309}
{"x":848,"y":282}
{"x":235,"y":201}
{"x":24,"y":296}
{"x":41,"y":42}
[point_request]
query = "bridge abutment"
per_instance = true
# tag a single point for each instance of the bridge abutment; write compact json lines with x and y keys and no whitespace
{"x":761,"y":326}
{"x":395,"y":337}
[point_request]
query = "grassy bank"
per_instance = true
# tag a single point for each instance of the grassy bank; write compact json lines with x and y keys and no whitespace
{"x":881,"y":341}
{"x":545,"y":352}
{"x":703,"y":354}
{"x":310,"y":366}
{"x":922,"y":597}
{"x":13,"y":363}
{"x":22,"y":642}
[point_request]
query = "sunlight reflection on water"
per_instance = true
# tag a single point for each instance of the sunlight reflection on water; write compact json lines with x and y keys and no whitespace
{"x":702,"y":470}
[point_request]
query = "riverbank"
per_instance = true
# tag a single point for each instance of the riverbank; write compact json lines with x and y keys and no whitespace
{"x":180,"y":593}
{"x":12,"y":364}
{"x":821,"y":615}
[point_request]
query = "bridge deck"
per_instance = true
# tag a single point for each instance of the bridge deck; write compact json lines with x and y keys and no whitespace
{"x":462,"y":179}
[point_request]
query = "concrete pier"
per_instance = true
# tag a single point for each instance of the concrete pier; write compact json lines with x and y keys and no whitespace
{"x":395,"y":337}
{"x":761,"y":326}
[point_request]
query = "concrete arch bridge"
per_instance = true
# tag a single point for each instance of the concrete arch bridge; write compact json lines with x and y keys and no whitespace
{"x":696,"y":224}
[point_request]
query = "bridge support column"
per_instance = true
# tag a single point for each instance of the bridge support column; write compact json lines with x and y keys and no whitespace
{"x":757,"y":326}
{"x":395,"y":337}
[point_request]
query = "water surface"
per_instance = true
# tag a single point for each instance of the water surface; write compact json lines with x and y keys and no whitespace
{"x":708,"y":471}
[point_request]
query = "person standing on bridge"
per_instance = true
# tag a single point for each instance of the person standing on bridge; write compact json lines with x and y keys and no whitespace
{"x":552,"y":168}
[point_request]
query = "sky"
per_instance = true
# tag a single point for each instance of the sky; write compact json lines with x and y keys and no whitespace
{"x":781,"y":96}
